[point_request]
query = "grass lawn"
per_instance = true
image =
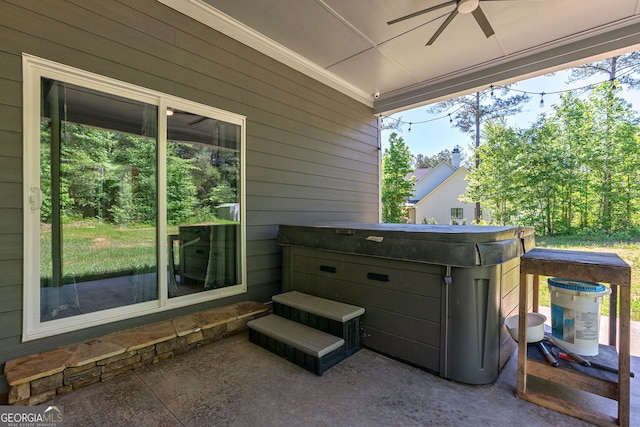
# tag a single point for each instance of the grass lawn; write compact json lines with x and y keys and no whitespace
{"x":628,"y":250}
{"x":94,"y":250}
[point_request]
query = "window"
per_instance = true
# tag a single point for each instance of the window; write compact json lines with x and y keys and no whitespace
{"x":135,"y":201}
{"x":456,"y":213}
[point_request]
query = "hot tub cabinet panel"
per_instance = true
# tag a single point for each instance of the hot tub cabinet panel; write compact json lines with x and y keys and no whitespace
{"x":444,"y":317}
{"x":208,"y":254}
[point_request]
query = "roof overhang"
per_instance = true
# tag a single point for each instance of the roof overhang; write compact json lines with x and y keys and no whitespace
{"x":350,"y":47}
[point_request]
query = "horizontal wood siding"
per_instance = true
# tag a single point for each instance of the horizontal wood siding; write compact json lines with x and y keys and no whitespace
{"x":311,"y":151}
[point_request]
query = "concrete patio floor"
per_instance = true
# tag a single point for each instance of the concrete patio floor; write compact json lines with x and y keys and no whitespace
{"x":236,"y":383}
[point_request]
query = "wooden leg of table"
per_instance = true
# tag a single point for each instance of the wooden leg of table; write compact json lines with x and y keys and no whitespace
{"x":522,"y":335}
{"x":613,"y":308}
{"x":624,"y":364}
{"x":536,"y":292}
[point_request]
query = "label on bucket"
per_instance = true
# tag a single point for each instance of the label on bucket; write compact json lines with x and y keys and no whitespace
{"x":570,"y":325}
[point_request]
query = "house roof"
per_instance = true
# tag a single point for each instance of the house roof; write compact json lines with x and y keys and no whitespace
{"x":350,"y":46}
{"x":419,"y":173}
{"x":424,"y":173}
{"x":461,"y":170}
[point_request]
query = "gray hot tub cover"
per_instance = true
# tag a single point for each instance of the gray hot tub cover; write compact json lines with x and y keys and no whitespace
{"x":454,"y":245}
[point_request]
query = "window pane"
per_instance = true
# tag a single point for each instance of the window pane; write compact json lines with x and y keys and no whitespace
{"x":99,"y":190}
{"x":203,"y":209}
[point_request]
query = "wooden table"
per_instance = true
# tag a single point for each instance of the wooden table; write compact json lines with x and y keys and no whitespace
{"x":592,"y":266}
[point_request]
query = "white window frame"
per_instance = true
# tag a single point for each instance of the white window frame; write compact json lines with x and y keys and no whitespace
{"x":34,"y":69}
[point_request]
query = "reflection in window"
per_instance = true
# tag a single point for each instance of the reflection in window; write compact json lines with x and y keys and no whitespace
{"x":203,"y":205}
{"x":118,"y":190}
{"x":98,"y":216}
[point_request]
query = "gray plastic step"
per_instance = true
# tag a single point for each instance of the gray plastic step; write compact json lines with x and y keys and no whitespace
{"x":309,"y":348}
{"x":333,"y":317}
{"x":311,"y":341}
{"x":319,"y":306}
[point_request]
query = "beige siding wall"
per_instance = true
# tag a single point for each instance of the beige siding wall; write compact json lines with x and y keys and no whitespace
{"x":438,"y":204}
{"x":311,"y":151}
{"x":431,"y":180}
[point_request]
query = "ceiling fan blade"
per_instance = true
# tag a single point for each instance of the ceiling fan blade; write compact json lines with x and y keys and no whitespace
{"x":482,"y":20}
{"x":422,"y":12}
{"x":442,"y":27}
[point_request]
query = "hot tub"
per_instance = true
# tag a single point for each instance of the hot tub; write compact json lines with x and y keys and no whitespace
{"x":435,"y":296}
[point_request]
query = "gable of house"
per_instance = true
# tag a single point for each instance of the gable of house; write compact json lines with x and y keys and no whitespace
{"x":427,"y":179}
{"x":444,"y":197}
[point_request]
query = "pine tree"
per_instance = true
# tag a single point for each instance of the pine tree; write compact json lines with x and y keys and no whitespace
{"x":474,"y":109}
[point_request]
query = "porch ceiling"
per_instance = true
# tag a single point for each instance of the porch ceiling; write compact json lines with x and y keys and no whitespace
{"x":349,"y":45}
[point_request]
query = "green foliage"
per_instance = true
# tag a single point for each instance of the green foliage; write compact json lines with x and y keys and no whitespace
{"x":396,"y":190}
{"x":113,"y":177}
{"x":498,"y":159}
{"x":422,"y":161}
{"x":471,"y":111}
{"x":574,"y":170}
{"x":223,"y":193}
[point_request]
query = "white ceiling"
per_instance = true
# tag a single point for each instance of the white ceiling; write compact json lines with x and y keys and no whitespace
{"x":348,"y":44}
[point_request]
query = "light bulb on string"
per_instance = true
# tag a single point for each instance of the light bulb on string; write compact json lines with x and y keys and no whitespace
{"x":399,"y":123}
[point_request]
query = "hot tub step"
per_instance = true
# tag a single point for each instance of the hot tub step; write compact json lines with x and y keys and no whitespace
{"x":309,"y":348}
{"x":333,"y":317}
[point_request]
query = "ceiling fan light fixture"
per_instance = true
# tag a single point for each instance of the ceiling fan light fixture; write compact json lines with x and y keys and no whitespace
{"x":467,"y":6}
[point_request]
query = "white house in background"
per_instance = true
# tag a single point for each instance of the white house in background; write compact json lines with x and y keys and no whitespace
{"x":437,"y":193}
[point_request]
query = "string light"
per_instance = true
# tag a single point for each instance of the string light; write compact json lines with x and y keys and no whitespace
{"x":491,"y":89}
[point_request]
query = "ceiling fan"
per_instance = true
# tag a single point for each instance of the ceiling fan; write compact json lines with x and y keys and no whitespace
{"x":461,"y":6}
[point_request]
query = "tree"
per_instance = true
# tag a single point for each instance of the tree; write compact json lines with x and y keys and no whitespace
{"x":617,"y":69}
{"x":498,"y":159}
{"x":394,"y":124}
{"x":422,"y":161}
{"x":573,"y":142}
{"x":396,"y":189}
{"x":577,"y":168}
{"x":473,"y":110}
{"x":614,"y":125}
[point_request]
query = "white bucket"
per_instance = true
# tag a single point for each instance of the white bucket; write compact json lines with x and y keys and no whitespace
{"x":575,"y":314}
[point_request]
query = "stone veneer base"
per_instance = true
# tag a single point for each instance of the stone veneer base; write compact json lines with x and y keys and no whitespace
{"x":40,"y":377}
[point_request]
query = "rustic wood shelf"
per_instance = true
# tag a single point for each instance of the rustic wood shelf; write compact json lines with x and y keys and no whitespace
{"x":592,"y":266}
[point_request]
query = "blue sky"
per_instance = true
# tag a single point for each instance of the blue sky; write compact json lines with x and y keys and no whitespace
{"x":434,"y":136}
